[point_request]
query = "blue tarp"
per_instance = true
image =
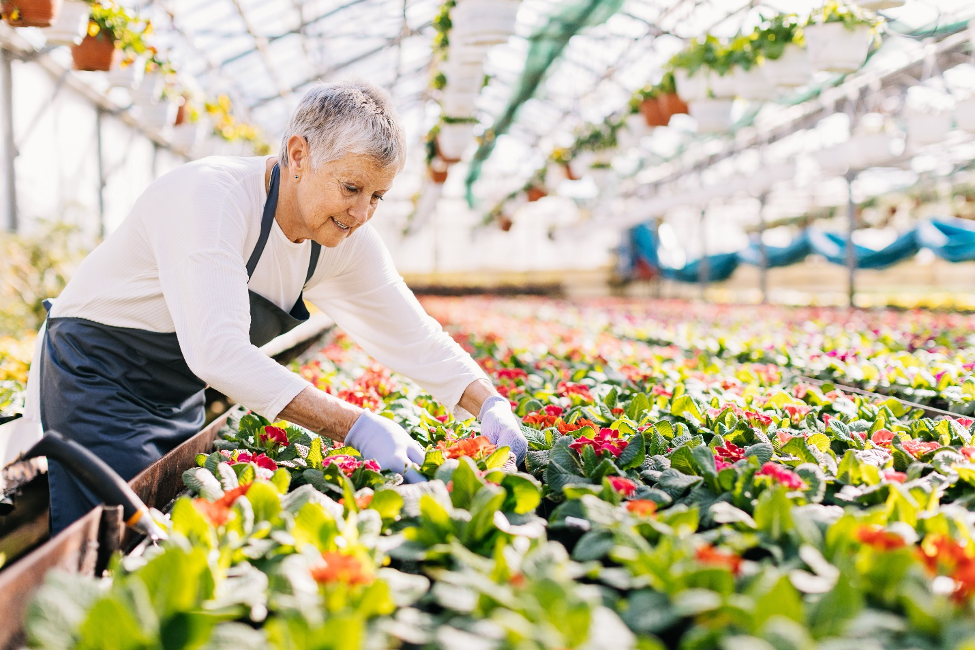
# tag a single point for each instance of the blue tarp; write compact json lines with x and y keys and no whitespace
{"x":951,"y":239}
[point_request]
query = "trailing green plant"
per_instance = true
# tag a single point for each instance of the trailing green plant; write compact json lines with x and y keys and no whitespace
{"x":776,"y":33}
{"x":850,"y":15}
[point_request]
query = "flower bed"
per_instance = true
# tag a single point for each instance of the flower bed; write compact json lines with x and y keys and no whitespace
{"x":672,"y":497}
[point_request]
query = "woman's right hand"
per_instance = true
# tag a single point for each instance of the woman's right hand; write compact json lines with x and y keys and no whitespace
{"x":380,"y":438}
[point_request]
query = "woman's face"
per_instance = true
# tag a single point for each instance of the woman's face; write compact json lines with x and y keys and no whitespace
{"x":340,"y":196}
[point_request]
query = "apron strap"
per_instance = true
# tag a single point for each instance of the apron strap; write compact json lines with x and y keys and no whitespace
{"x":267,"y":219}
{"x":313,"y":261}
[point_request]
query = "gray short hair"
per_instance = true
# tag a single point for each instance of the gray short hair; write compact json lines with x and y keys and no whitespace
{"x":348,"y":117}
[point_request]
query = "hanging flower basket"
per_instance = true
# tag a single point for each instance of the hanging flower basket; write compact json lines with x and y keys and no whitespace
{"x":791,"y":69}
{"x":484,"y":22}
{"x":963,"y":115}
{"x":652,"y":111}
{"x":534,"y":193}
{"x":30,"y":13}
{"x":158,"y":116}
{"x":186,"y":136}
{"x":927,"y":128}
{"x":150,"y":90}
{"x":671,"y":104}
{"x":833,"y":47}
{"x":692,"y":87}
{"x":453,"y":139}
{"x":573,"y":170}
{"x":70,"y":25}
{"x":712,"y":115}
{"x":458,"y":102}
{"x":94,"y":53}
{"x":126,"y":74}
{"x":722,"y":86}
{"x":752,"y":85}
{"x":879,"y":5}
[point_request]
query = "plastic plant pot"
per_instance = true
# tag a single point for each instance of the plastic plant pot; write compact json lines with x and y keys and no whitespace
{"x":534,"y":194}
{"x":70,"y":25}
{"x":752,"y":84}
{"x":927,"y":128}
{"x":832,"y":47}
{"x":126,"y":76}
{"x":30,"y":13}
{"x":712,"y":115}
{"x":722,"y":86}
{"x":792,"y":68}
{"x":453,"y":139}
{"x":158,"y":116}
{"x":94,"y":53}
{"x":963,"y":115}
{"x":458,"y":102}
{"x":671,"y":104}
{"x":465,"y":77}
{"x":149,"y":91}
{"x":484,"y":22}
{"x":692,"y":88}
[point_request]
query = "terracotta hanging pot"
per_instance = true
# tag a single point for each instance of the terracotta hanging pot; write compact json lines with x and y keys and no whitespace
{"x":181,"y":115}
{"x":438,"y":176}
{"x":671,"y":104}
{"x":94,"y":53}
{"x":652,"y":111}
{"x":534,"y":194}
{"x":30,"y":13}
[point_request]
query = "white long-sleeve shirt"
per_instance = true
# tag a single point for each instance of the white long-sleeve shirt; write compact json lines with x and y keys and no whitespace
{"x":177,"y":264}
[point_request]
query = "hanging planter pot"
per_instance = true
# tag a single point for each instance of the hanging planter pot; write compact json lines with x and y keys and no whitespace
{"x":94,"y":53}
{"x":158,"y":116}
{"x":963,"y":115}
{"x":150,"y":90}
{"x":534,"y":193}
{"x":30,"y":13}
{"x":637,"y":126}
{"x":880,"y":5}
{"x":712,"y":115}
{"x":927,"y":128}
{"x":752,"y":84}
{"x":453,"y":139}
{"x":186,"y":136}
{"x":601,"y":175}
{"x":467,"y":53}
{"x":126,"y":74}
{"x":869,"y":150}
{"x":464,"y":77}
{"x":457,"y":102}
{"x":833,"y":161}
{"x":692,"y":88}
{"x":671,"y":104}
{"x":70,"y":25}
{"x":574,"y":169}
{"x":722,"y":86}
{"x":832,"y":47}
{"x":553,"y":178}
{"x":790,"y":70}
{"x":651,"y":110}
{"x":484,"y":22}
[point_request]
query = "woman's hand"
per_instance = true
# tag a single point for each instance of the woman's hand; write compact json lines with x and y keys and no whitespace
{"x":501,"y":427}
{"x":377,"y":437}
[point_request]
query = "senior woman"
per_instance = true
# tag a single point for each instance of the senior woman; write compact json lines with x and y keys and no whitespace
{"x":215,"y":259}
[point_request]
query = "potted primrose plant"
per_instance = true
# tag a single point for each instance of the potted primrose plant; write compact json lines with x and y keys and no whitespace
{"x":645,"y":103}
{"x":691,"y":68}
{"x":781,"y":43}
{"x":745,"y":57}
{"x":838,"y":37}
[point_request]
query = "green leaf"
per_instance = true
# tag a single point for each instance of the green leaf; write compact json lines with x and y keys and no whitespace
{"x":634,"y":454}
{"x":590,"y":460}
{"x":281,"y":480}
{"x":388,"y":503}
{"x":314,"y":459}
{"x":684,"y":461}
{"x":524,"y":493}
{"x":594,"y":545}
{"x":776,"y":596}
{"x":265,"y":500}
{"x":772,"y":512}
{"x":464,"y":483}
{"x":638,"y":406}
{"x":486,"y":503}
{"x":796,"y":446}
{"x":112,"y":619}
{"x":664,"y":428}
{"x":685,"y":404}
{"x":762,"y":451}
{"x":497,"y":459}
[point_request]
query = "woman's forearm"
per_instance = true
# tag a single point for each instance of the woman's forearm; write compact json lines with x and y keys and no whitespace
{"x":322,"y":413}
{"x":475,"y":395}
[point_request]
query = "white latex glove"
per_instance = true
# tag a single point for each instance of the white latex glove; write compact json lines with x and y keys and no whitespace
{"x":500,"y":426}
{"x":382,"y":439}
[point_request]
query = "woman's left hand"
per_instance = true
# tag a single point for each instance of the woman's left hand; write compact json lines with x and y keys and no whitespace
{"x":500,"y":426}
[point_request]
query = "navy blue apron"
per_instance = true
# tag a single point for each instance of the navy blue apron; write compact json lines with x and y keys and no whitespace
{"x":127,"y":394}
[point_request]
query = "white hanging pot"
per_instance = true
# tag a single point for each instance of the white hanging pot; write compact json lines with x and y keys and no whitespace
{"x":127,"y":76}
{"x":555,"y":175}
{"x":601,"y":176}
{"x":722,"y":86}
{"x":832,"y":47}
{"x":458,"y":103}
{"x":577,"y":167}
{"x":692,"y":88}
{"x":833,"y":161}
{"x":790,"y":70}
{"x":879,"y":5}
{"x":752,"y":84}
{"x":186,"y":136}
{"x":712,"y":115}
{"x":635,"y":128}
{"x":467,"y":53}
{"x":484,"y":22}
{"x":870,"y":150}
{"x":929,"y":128}
{"x":453,"y":139}
{"x":149,"y":91}
{"x":464,"y":77}
{"x":70,"y":25}
{"x":158,"y":116}
{"x":963,"y":115}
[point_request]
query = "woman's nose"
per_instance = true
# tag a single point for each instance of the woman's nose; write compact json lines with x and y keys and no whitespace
{"x":360,"y":208}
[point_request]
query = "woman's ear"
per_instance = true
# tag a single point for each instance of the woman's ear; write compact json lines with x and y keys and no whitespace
{"x":298,"y":154}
